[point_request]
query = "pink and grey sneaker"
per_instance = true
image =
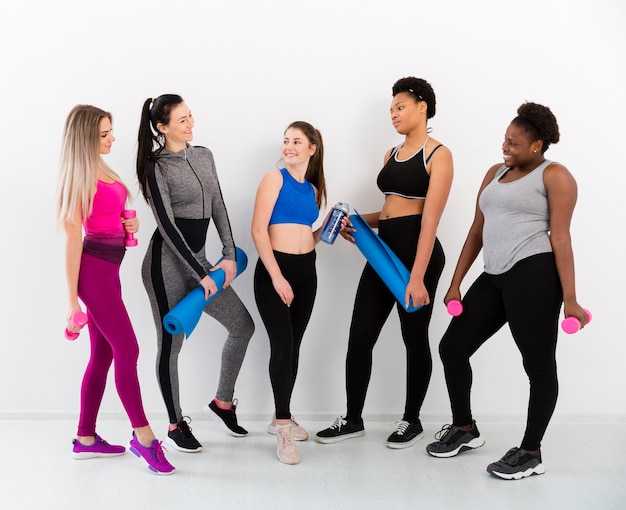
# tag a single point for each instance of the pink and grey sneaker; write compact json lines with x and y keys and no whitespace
{"x":99,"y":449}
{"x":153,"y":455}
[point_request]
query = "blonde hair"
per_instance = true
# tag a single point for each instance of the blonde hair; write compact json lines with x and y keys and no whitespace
{"x":80,"y":161}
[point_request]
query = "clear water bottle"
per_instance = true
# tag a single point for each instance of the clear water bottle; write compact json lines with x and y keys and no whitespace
{"x":333,"y":225}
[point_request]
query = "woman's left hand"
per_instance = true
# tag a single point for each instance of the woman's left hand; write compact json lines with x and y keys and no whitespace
{"x":573,"y":309}
{"x":131,"y":225}
{"x":346,"y":229}
{"x":230,"y":270}
{"x":416,"y":294}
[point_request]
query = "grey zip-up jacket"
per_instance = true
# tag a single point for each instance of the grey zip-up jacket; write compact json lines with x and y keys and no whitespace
{"x":184,"y":193}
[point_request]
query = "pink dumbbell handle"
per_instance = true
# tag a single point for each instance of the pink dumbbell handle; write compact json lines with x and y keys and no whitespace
{"x":78,"y":320}
{"x":571,"y":324}
{"x":455,"y":307}
{"x":130,"y":238}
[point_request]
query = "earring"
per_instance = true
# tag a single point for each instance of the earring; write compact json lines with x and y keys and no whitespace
{"x":535,"y":150}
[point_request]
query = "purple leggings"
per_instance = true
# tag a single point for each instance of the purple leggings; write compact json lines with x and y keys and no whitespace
{"x":112,"y":339}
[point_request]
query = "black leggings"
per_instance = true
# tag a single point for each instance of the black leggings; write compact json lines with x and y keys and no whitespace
{"x":529,"y":298}
{"x":372,"y":306}
{"x":285,"y":325}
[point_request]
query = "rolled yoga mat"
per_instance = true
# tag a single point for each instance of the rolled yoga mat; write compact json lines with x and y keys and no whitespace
{"x":384,"y":261}
{"x":184,"y":317}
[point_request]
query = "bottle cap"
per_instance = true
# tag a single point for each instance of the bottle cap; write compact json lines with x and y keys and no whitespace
{"x":342,"y":206}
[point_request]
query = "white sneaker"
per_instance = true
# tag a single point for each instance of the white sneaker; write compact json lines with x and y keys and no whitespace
{"x":299,"y":434}
{"x":286,"y":448}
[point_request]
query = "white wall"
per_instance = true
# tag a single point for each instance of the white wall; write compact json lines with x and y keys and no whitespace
{"x":249,"y":68}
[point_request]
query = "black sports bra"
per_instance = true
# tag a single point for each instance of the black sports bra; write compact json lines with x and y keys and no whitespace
{"x":407,"y":178}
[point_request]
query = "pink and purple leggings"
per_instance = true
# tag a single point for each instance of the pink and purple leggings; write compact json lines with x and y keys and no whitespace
{"x":112,"y":340}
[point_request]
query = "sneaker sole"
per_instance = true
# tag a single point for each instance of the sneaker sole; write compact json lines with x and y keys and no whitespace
{"x":151,"y":468}
{"x":219,"y":421}
{"x":537,"y":470}
{"x":94,"y":455}
{"x":472,"y":445}
{"x":292,"y":462}
{"x":405,"y":444}
{"x":337,"y":439}
{"x":272,"y":430}
{"x":174,"y":445}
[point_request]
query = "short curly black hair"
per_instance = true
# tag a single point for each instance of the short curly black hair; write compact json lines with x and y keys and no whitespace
{"x":420,"y":89}
{"x":539,"y":122}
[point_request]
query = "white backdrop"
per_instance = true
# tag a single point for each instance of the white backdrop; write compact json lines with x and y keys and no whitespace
{"x":247,"y":69}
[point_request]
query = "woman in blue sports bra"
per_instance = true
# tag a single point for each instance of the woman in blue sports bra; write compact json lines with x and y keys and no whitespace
{"x":415,"y":180}
{"x":285,"y":281}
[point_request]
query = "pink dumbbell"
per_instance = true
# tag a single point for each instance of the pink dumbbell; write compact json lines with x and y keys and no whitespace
{"x":454,"y":307}
{"x":130,"y":238}
{"x":571,"y":324}
{"x":78,"y":320}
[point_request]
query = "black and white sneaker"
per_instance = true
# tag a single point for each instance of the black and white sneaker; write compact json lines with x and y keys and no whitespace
{"x":182,"y":439}
{"x":517,"y":463}
{"x":340,"y":430}
{"x":226,"y":418}
{"x":452,"y":440}
{"x":405,"y":435}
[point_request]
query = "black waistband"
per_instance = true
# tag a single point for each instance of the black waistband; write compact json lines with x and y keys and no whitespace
{"x":109,"y":249}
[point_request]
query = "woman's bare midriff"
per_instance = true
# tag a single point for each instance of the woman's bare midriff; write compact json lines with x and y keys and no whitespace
{"x":291,"y":238}
{"x":396,"y":206}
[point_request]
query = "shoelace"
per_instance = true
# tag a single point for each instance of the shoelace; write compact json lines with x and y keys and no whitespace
{"x":285,"y":438}
{"x":445,"y":430}
{"x":402,"y":427}
{"x":339,"y":422}
{"x":159,"y":452}
{"x":511,"y":457}
{"x":103,"y":441}
{"x":184,"y":427}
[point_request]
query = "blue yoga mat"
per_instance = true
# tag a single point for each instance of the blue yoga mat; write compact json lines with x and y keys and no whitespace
{"x":384,"y":261}
{"x":184,"y":317}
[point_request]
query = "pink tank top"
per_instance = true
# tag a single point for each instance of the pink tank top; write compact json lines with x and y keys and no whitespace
{"x":108,"y":204}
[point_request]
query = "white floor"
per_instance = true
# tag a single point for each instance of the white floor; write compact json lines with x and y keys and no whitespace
{"x":585,"y":463}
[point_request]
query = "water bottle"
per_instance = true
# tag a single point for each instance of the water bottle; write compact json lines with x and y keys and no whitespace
{"x":333,"y":225}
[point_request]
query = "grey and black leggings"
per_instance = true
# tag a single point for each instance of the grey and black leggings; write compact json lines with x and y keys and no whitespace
{"x":529,"y":298}
{"x":286,"y":324}
{"x":167,"y":281}
{"x":372,"y":306}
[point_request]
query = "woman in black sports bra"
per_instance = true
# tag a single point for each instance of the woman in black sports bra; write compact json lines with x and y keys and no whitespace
{"x":415,"y":180}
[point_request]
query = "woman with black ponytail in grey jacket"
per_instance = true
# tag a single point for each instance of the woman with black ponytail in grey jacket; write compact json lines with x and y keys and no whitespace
{"x":180,"y":183}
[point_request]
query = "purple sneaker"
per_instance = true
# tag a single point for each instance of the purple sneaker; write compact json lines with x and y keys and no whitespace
{"x":153,"y":455}
{"x":99,"y":449}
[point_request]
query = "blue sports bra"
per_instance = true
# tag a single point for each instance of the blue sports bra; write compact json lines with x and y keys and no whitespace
{"x":407,"y":178}
{"x":295,"y":202}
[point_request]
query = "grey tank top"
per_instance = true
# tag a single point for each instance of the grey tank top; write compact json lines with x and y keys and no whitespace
{"x":517,"y":219}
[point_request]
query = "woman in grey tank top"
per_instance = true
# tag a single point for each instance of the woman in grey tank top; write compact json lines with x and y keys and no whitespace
{"x":522,"y":224}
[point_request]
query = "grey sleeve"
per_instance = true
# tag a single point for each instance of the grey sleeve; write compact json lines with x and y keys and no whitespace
{"x":220,"y":215}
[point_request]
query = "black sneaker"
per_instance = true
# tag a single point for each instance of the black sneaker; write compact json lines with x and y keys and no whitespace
{"x":407,"y":434}
{"x":182,"y":439}
{"x":452,"y":440}
{"x":517,"y":463}
{"x":340,"y":430}
{"x":226,"y":418}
